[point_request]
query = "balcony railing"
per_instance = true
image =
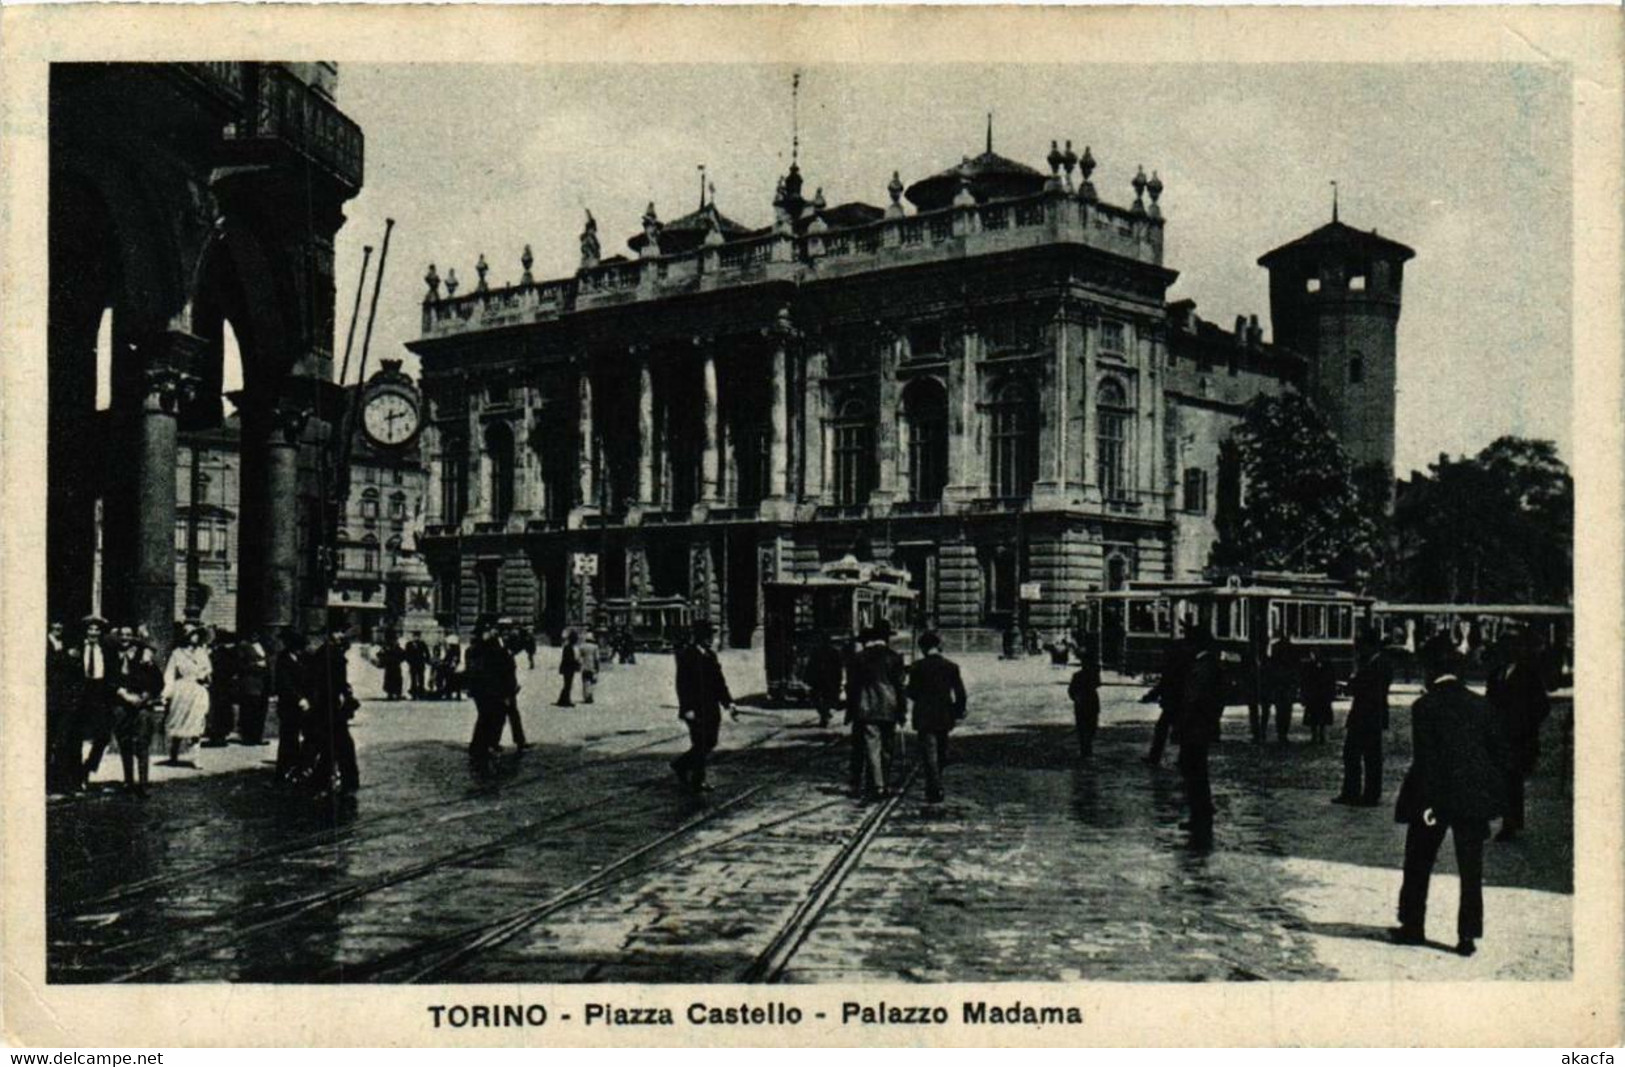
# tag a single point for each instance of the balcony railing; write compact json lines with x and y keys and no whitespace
{"x":841,"y":511}
{"x":956,"y":231}
{"x":917,"y":507}
{"x":285,"y":110}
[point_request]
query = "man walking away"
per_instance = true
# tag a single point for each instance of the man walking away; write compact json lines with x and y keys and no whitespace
{"x":451,"y":670}
{"x":510,"y":687}
{"x":292,"y":689}
{"x":1195,"y":732}
{"x":569,"y":667}
{"x":417,"y":658}
{"x":587,"y":655}
{"x":332,"y":706}
{"x":824,"y":678}
{"x":879,"y":706}
{"x":1318,"y":688}
{"x":1084,"y":689}
{"x":936,"y":692}
{"x":702,"y":693}
{"x":1169,"y":692}
{"x":1363,"y":733}
{"x":487,"y":680}
{"x":1457,"y":783}
{"x":1281,"y":675}
{"x":1521,"y":702}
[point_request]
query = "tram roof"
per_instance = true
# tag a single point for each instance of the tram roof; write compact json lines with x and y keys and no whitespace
{"x":1478,"y":609}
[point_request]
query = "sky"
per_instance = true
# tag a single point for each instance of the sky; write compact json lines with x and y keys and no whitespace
{"x":1468,"y":164}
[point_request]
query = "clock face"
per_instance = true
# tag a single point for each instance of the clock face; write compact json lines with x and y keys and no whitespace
{"x":390,"y":418}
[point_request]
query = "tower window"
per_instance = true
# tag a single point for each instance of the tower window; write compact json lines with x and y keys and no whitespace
{"x":1357,"y":283}
{"x":1312,"y":285}
{"x":1196,"y":490}
{"x":1356,"y":370}
{"x":1111,"y":337}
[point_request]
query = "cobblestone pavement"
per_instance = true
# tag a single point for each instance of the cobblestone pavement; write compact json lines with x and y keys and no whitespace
{"x":583,"y":861}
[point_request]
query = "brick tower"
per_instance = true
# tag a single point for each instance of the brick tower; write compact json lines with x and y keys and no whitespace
{"x":1334,"y":297}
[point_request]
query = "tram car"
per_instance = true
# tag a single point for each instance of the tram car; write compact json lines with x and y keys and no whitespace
{"x":1474,"y":629}
{"x":1130,"y":629}
{"x":657,"y":623}
{"x":839,"y":602}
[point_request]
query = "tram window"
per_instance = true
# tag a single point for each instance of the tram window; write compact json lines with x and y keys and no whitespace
{"x":1238,"y":614}
{"x":1221,"y":620}
{"x":1164,"y":623}
{"x":1142,"y":618}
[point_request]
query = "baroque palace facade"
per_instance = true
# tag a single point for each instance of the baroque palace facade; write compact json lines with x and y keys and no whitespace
{"x":991,"y":391}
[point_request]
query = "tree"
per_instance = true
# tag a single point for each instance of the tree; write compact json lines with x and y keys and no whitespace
{"x":1300,"y":506}
{"x":1496,"y":527}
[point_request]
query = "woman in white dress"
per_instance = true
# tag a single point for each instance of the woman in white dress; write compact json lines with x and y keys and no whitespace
{"x":186,"y":688}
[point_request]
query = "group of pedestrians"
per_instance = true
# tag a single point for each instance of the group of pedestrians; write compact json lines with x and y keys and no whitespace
{"x":108,"y":688}
{"x":430,"y":672}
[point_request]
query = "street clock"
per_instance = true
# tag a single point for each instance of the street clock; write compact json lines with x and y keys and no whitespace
{"x":391,"y":408}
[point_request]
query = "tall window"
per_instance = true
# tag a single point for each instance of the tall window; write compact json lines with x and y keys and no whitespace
{"x":854,"y":448}
{"x":1000,"y":578}
{"x":1113,"y":417}
{"x":1356,"y":369}
{"x":1196,"y":490}
{"x":1111,"y":338}
{"x":453,"y":483}
{"x":499,"y":448}
{"x":1014,"y":419}
{"x":369,"y":504}
{"x":397,"y":507}
{"x":925,"y":415}
{"x":369,"y":554}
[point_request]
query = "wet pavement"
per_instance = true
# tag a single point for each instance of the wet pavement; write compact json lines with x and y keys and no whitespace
{"x":583,"y":862}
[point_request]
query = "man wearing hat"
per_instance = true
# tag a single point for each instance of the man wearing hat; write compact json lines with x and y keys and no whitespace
{"x":292,"y":705}
{"x":93,"y":720}
{"x":1197,"y":729}
{"x":491,"y":682}
{"x":332,"y":705}
{"x":136,"y":682}
{"x":1169,"y":692}
{"x":1457,"y":783}
{"x":875,"y":688}
{"x":936,"y":692}
{"x":62,"y":674}
{"x":702,"y":693}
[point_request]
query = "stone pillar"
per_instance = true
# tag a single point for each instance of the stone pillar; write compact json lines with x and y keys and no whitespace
{"x":886,"y":437}
{"x":153,"y":588}
{"x":815,"y":460}
{"x":279,"y":607}
{"x":646,"y":432}
{"x":778,"y":485}
{"x":965,"y":475}
{"x":586,"y":486}
{"x":433,"y":514}
{"x":710,"y":458}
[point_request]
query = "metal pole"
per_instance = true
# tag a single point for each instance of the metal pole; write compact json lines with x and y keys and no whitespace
{"x":355,"y":312}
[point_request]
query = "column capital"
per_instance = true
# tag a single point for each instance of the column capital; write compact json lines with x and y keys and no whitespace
{"x":164,"y":388}
{"x":783,"y":328}
{"x":288,"y":422}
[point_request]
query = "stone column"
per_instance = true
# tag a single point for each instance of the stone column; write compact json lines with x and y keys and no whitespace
{"x":585,"y":482}
{"x":279,"y":606}
{"x":646,"y":432}
{"x":710,"y":459}
{"x":778,"y":485}
{"x":813,"y":417}
{"x":153,"y":588}
{"x":965,"y":477}
{"x":886,"y":438}
{"x":433,"y":514}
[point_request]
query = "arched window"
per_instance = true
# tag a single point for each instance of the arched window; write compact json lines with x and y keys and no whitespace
{"x":1356,"y":369}
{"x":499,"y":448}
{"x":397,"y":506}
{"x":854,"y":448}
{"x":393,"y":545}
{"x":1114,"y":418}
{"x":369,"y":554}
{"x":1014,"y":420}
{"x":369,"y":504}
{"x":925,"y":418}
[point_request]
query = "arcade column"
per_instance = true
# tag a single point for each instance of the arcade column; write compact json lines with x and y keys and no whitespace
{"x":164,"y":386}
{"x":280,"y":604}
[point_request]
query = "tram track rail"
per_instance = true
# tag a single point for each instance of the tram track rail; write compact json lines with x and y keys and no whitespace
{"x":281,"y":914}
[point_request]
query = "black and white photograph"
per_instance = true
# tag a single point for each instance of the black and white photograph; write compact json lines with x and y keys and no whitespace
{"x":807,"y":521}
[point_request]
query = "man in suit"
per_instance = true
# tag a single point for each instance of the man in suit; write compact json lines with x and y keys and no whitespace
{"x":1368,"y":719}
{"x":390,"y":658}
{"x":702,"y":693}
{"x":94,"y":719}
{"x":1197,"y":729}
{"x":417,"y":658}
{"x":291,"y":685}
{"x":509,"y":664}
{"x":1282,"y":672}
{"x":62,"y":677}
{"x":569,"y":667}
{"x":587,"y":653}
{"x":253,"y":689}
{"x":1457,"y":783}
{"x":876,"y":688}
{"x":490,"y":681}
{"x":1084,"y":691}
{"x":332,"y":705}
{"x":1518,"y":694}
{"x":135,"y":683}
{"x":1169,"y":691}
{"x":824,"y":678}
{"x":936,"y":692}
